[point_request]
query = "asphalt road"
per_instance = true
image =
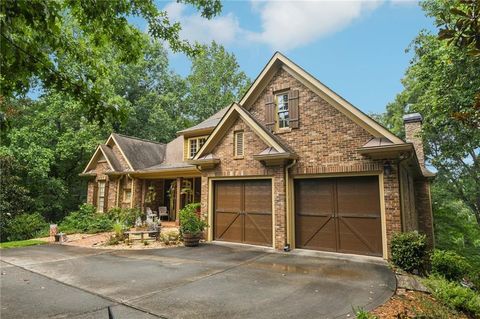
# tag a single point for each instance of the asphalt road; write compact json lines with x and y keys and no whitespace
{"x":211,"y":281}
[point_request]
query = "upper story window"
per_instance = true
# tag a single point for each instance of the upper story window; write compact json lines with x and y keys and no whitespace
{"x":282,"y":110}
{"x":238,"y":142}
{"x":194,"y":145}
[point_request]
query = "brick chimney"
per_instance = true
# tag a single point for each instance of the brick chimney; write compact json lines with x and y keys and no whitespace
{"x":413,"y":131}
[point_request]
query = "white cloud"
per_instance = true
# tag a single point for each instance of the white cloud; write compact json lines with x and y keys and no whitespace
{"x":223,"y":29}
{"x":285,"y":24}
{"x":290,"y":24}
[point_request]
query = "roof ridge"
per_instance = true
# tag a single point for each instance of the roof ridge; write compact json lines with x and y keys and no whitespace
{"x":138,"y":138}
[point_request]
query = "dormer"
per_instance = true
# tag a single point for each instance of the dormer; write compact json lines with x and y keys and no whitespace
{"x":194,"y":137}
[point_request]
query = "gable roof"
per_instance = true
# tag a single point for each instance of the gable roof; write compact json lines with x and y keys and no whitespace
{"x":278,"y":61}
{"x":209,"y":123}
{"x":138,"y":153}
{"x":107,"y":153}
{"x":235,"y":111}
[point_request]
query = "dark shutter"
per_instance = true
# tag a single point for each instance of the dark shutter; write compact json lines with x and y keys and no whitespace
{"x":95,"y":194}
{"x":293,"y":108}
{"x":269,"y":112}
{"x":105,"y":198}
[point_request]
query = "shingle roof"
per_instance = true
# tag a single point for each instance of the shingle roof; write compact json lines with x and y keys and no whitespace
{"x":140,"y":153}
{"x":111,"y":158}
{"x":211,"y":122}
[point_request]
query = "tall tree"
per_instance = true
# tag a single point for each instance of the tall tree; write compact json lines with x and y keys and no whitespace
{"x":52,"y":141}
{"x":442,"y":83}
{"x":155,"y":95}
{"x":37,"y":35}
{"x":215,"y":81}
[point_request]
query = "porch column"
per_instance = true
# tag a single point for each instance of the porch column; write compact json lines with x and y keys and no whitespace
{"x":143,"y":195}
{"x":179,"y":201}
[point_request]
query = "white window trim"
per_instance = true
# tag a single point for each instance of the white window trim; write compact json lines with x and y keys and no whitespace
{"x":198,"y":145}
{"x":277,"y":111}
{"x":101,"y":208}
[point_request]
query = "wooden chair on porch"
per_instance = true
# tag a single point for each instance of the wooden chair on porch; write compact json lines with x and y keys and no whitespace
{"x":162,"y":212}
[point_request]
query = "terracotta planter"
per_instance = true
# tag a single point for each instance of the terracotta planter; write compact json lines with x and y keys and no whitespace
{"x":191,"y":240}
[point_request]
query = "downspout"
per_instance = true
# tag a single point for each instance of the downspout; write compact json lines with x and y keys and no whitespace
{"x":287,"y":245}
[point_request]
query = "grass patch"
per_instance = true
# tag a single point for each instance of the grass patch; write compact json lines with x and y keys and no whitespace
{"x":22,"y":243}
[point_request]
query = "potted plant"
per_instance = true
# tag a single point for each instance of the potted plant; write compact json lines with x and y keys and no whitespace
{"x":191,"y":225}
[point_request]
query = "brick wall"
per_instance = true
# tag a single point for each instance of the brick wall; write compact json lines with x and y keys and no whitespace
{"x":326,"y":142}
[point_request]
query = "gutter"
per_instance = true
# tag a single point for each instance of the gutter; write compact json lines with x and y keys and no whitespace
{"x":287,"y":203}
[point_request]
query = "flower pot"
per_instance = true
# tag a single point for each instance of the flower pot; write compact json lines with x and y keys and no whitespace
{"x":191,"y":240}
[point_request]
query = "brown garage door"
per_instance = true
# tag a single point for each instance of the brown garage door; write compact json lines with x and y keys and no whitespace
{"x":243,"y":211}
{"x":338,"y":214}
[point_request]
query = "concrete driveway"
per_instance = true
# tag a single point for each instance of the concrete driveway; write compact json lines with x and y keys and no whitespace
{"x":211,"y":281}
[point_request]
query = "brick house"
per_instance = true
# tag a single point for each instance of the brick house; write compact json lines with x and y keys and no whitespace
{"x":291,"y":164}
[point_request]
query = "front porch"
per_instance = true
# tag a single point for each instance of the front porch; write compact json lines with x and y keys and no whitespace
{"x":169,"y":195}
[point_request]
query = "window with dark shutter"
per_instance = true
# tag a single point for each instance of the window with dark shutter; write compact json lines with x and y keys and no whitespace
{"x":293,"y":108}
{"x":270,"y":112}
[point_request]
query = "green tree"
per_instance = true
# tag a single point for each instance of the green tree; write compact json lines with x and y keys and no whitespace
{"x":459,"y":23}
{"x":214,"y":82}
{"x":441,"y":84}
{"x":155,"y":95}
{"x":38,"y":35}
{"x":53,"y":142}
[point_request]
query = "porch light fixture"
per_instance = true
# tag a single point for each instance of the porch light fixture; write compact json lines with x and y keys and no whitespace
{"x":387,"y":168}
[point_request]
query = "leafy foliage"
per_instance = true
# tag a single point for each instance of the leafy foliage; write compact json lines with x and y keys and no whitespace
{"x":409,"y":251}
{"x":25,"y":226}
{"x":454,"y":296}
{"x":38,"y":36}
{"x":215,"y":81}
{"x":125,"y":216}
{"x":190,"y":221}
{"x":461,"y":25}
{"x":449,"y":265}
{"x":442,"y":83}
{"x":86,"y":220}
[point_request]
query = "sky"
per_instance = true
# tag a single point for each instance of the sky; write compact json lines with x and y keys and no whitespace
{"x":357,"y":48}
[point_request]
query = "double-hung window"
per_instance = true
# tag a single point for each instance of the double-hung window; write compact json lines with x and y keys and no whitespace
{"x":282,"y":110}
{"x":101,"y":196}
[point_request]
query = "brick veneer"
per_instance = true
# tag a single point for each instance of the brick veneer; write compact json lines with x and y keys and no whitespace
{"x":325,"y":143}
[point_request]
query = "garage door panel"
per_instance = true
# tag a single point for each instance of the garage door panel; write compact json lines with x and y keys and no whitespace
{"x":358,"y":195}
{"x":315,"y":232}
{"x":228,"y":196}
{"x":228,"y":226}
{"x":258,"y":196}
{"x":352,"y":207}
{"x":360,"y":235}
{"x":249,"y":219}
{"x":258,"y":229}
{"x":317,"y":196}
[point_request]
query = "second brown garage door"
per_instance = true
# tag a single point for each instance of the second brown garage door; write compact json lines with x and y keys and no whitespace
{"x":243,"y":211}
{"x":339,"y":214}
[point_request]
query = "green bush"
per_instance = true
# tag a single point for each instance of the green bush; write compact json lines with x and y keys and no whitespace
{"x":454,"y":296}
{"x":126,"y":216}
{"x":409,"y":251}
{"x":450,"y":265}
{"x":361,"y":313}
{"x":190,"y":221}
{"x":86,"y":220}
{"x":26,"y":226}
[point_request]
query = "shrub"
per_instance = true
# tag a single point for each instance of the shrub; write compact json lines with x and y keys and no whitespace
{"x":190,"y":221}
{"x":454,"y":296}
{"x":126,"y":216}
{"x":26,"y":226}
{"x":450,"y":265}
{"x":360,"y":313}
{"x":409,"y":251}
{"x":171,"y":237}
{"x":86,"y":219}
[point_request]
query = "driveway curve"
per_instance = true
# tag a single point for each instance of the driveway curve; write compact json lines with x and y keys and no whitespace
{"x":211,"y":281}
